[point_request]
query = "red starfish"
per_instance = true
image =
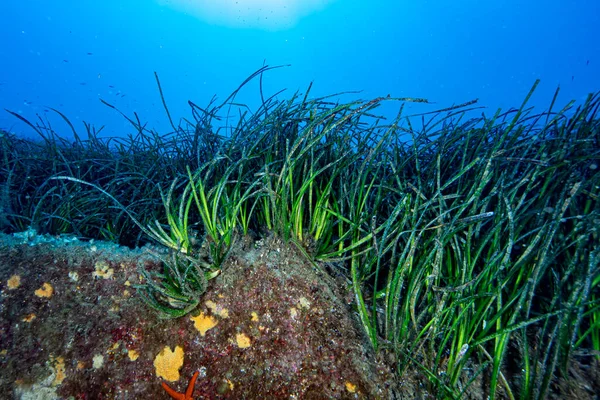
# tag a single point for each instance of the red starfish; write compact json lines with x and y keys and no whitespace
{"x":182,"y":396}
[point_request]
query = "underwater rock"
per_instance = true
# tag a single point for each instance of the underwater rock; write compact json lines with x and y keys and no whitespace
{"x":279,"y":327}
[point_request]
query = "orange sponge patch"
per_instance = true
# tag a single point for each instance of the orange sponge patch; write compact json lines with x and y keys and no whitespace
{"x":45,"y":291}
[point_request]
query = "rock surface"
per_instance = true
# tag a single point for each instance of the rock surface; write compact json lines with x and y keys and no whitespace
{"x":271,"y":326}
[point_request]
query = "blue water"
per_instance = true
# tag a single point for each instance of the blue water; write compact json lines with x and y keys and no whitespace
{"x":68,"y":54}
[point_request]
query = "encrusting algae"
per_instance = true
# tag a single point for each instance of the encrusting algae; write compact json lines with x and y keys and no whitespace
{"x":204,"y":322}
{"x":133,"y":355}
{"x":14,"y":282}
{"x":58,"y":365}
{"x":29,"y":317}
{"x":45,"y":291}
{"x":217,"y":309}
{"x":242,"y":341}
{"x":103,"y":270}
{"x":168,"y":362}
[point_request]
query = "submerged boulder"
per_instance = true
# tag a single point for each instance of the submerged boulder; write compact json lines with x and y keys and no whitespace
{"x":271,"y":325}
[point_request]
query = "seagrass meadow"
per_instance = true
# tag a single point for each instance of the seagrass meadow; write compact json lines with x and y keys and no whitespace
{"x":467,"y":244}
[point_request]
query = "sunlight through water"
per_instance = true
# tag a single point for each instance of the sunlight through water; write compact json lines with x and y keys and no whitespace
{"x":271,"y":15}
